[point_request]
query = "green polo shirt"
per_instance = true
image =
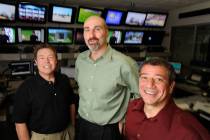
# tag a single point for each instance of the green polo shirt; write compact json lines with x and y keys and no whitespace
{"x":105,"y":86}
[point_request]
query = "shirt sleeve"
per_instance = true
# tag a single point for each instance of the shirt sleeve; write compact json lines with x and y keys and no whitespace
{"x":21,"y":104}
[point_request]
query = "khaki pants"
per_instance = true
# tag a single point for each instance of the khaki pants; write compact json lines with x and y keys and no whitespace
{"x":64,"y":135}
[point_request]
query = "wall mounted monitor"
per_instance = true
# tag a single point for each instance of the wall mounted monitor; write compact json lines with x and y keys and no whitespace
{"x":153,"y":37}
{"x":115,"y":37}
{"x":155,"y":20}
{"x":21,"y":68}
{"x":177,"y":67}
{"x":133,"y":37}
{"x":7,"y":35}
{"x":59,"y":35}
{"x":79,"y":38}
{"x":135,"y":18}
{"x":113,"y":17}
{"x":29,"y":12}
{"x":31,"y":35}
{"x":61,"y":14}
{"x":7,"y":12}
{"x":84,"y":13}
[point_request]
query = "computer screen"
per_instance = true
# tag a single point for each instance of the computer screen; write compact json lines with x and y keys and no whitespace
{"x":155,"y":20}
{"x":133,"y":37}
{"x":32,"y":12}
{"x":79,"y":38}
{"x":7,"y":12}
{"x":113,"y":17}
{"x":84,"y":13}
{"x":135,"y":18}
{"x":31,"y":35}
{"x":7,"y":35}
{"x":19,"y":68}
{"x":115,"y":37}
{"x":62,"y":14}
{"x":177,"y":67}
{"x":153,"y":37}
{"x":60,"y":35}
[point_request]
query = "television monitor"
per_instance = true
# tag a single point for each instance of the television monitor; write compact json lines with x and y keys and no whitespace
{"x":133,"y":37}
{"x":84,"y":13}
{"x":113,"y":17}
{"x":63,"y":14}
{"x":31,"y":35}
{"x":7,"y":12}
{"x":7,"y":35}
{"x":79,"y":38}
{"x":60,"y":35}
{"x":153,"y":37}
{"x":115,"y":37}
{"x":155,"y":20}
{"x":32,"y":12}
{"x":135,"y":18}
{"x":177,"y":67}
{"x":21,"y":68}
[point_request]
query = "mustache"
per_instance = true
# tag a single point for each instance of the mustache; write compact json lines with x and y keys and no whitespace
{"x":93,"y":38}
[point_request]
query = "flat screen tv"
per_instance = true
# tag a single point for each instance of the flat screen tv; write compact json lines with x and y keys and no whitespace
{"x":84,"y":13}
{"x":79,"y":38}
{"x":63,"y":14}
{"x":7,"y":12}
{"x":32,"y":12}
{"x":113,"y":17}
{"x":7,"y":35}
{"x":133,"y":37}
{"x":155,"y":20}
{"x":31,"y":35}
{"x":21,"y":68}
{"x":177,"y":67}
{"x":115,"y":37}
{"x":135,"y":18}
{"x":59,"y":35}
{"x":153,"y":37}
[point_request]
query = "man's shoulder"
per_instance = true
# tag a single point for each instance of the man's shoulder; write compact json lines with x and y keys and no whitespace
{"x":122,"y":57}
{"x":82,"y":54}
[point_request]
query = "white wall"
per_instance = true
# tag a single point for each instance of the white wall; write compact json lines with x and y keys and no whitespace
{"x":173,"y":19}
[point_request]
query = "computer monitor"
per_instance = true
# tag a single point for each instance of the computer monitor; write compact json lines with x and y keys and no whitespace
{"x":113,"y":17}
{"x":33,"y":35}
{"x":84,"y":13}
{"x":20,"y":68}
{"x":153,"y":37}
{"x":177,"y":67}
{"x":7,"y":12}
{"x":135,"y":18}
{"x":115,"y":37}
{"x":133,"y":37}
{"x":62,"y":14}
{"x":79,"y":38}
{"x":7,"y":35}
{"x":155,"y":20}
{"x":59,"y":35}
{"x":29,"y":12}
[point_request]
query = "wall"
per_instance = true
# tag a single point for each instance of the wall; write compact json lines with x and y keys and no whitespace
{"x":173,"y":19}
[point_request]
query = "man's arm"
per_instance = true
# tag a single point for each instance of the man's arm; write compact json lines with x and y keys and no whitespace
{"x":22,"y":131}
{"x":73,"y":114}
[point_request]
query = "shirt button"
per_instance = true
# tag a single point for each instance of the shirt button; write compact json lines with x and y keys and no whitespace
{"x":138,"y":135}
{"x":89,"y":89}
{"x":87,"y":114}
{"x":91,"y":77}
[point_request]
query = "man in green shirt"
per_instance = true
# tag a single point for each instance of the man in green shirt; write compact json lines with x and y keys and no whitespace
{"x":106,"y":79}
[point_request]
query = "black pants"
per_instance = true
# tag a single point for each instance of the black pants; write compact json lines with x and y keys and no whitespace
{"x":86,"y":130}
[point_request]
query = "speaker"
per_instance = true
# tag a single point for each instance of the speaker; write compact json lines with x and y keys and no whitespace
{"x":195,"y":13}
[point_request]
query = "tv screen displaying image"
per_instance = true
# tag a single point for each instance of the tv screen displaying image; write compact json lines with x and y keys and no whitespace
{"x":31,"y":12}
{"x":155,"y":20}
{"x":7,"y":12}
{"x":113,"y":17}
{"x":153,"y":37}
{"x":60,"y":35}
{"x":84,"y":13}
{"x":30,"y":35}
{"x":62,"y":14}
{"x":79,"y":38}
{"x":7,"y":35}
{"x":133,"y":37}
{"x":115,"y":37}
{"x":135,"y":18}
{"x":177,"y":67}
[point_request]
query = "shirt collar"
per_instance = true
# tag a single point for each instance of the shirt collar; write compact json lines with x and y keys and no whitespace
{"x":107,"y":55}
{"x":164,"y":117}
{"x":41,"y":80}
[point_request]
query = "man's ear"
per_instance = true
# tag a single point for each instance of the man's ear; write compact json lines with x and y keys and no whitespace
{"x":172,"y":87}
